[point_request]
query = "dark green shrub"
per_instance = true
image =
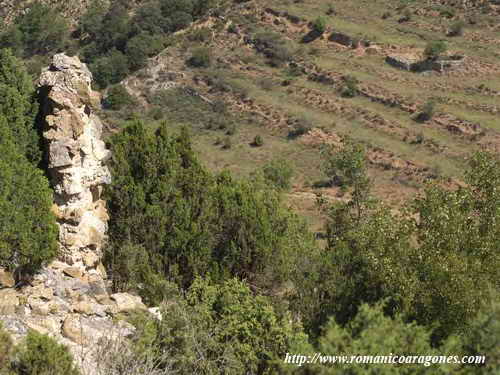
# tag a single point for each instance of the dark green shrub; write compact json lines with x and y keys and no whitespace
{"x":202,"y":34}
{"x":222,"y":329}
{"x":300,"y":127}
{"x":279,"y":173}
{"x":39,"y":354}
{"x":319,"y":25}
{"x":117,"y":98}
{"x":427,"y":111}
{"x":188,"y":222}
{"x":140,"y":47}
{"x":258,"y":141}
{"x":407,"y":15}
{"x":18,"y":105}
{"x":110,"y":69}
{"x":434,"y":49}
{"x":457,"y":28}
{"x":350,"y":87}
{"x":201,"y":58}
{"x":273,"y":46}
{"x":227,"y":143}
{"x":28,"y":232}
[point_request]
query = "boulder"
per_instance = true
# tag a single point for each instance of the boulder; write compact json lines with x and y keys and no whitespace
{"x":6,"y":279}
{"x":125,"y":302}
{"x":9,"y":300}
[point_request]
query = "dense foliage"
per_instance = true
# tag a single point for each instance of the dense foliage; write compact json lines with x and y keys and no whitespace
{"x":27,"y":226}
{"x":37,"y":31}
{"x":435,"y":262}
{"x":220,"y":329}
{"x":174,"y":220}
{"x":18,"y":105}
{"x":115,"y":42}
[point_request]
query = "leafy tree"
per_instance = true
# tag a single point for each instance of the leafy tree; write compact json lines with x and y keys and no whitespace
{"x":90,"y":23}
{"x":149,"y":19}
{"x":39,"y":354}
{"x":435,"y":262}
{"x":347,"y":167}
{"x":18,"y":105}
{"x":350,"y":87}
{"x":115,"y":28}
{"x":140,"y":47}
{"x":28,"y":231}
{"x":371,"y":332}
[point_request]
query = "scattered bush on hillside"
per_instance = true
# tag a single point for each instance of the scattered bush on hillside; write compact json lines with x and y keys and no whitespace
{"x":319,"y":25}
{"x":112,"y":29}
{"x":258,"y":141}
{"x":349,"y":88}
{"x":300,"y":126}
{"x":435,"y":49}
{"x":427,"y":111}
{"x":273,"y":46}
{"x":201,"y":58}
{"x":457,"y":28}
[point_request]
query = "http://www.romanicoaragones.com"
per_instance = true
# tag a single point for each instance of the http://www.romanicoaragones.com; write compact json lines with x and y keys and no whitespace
{"x":391,"y":359}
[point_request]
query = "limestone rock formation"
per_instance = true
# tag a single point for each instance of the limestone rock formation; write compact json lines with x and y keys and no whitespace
{"x":75,"y":155}
{"x":70,"y":299}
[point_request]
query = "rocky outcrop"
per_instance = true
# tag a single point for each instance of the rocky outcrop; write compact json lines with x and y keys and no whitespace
{"x":70,"y":299}
{"x":75,"y":156}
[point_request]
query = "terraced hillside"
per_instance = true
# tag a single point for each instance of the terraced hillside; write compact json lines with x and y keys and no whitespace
{"x":303,"y":73}
{"x":277,"y":74}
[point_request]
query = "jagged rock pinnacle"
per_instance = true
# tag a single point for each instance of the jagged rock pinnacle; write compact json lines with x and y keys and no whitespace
{"x":75,"y":156}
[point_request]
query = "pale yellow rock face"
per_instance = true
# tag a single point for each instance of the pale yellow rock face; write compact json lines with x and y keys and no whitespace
{"x":76,"y":156}
{"x":6,"y":279}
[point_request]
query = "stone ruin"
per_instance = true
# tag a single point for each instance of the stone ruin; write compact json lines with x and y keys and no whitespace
{"x":417,"y":63}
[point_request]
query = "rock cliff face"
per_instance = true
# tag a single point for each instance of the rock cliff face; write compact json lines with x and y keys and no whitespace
{"x":70,"y":299}
{"x":76,"y":155}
